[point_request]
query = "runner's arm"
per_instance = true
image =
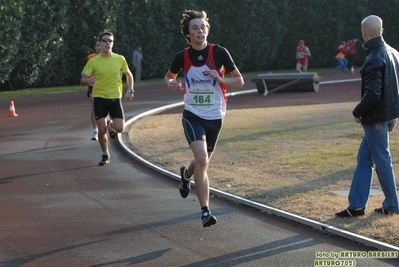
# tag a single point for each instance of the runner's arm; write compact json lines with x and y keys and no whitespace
{"x":130,"y":83}
{"x":235,"y":80}
{"x":86,"y":80}
{"x":308,"y":52}
{"x":170,"y":80}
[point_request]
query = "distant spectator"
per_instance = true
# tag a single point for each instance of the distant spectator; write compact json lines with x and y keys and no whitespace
{"x":340,"y":57}
{"x":137,"y":61}
{"x":302,"y":54}
{"x":351,"y":52}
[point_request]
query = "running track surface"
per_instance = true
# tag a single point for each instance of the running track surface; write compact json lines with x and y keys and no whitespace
{"x":59,"y":208}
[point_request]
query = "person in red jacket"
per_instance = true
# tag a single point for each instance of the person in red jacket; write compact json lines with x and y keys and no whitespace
{"x":350,"y":52}
{"x":302,"y":54}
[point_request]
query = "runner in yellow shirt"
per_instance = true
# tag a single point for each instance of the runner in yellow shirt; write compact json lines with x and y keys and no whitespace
{"x":107,"y":68}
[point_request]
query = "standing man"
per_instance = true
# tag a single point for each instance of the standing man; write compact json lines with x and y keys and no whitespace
{"x":203,"y":65}
{"x":137,"y":61}
{"x":302,"y":54}
{"x":377,"y":112}
{"x":94,"y":137}
{"x":107,"y":91}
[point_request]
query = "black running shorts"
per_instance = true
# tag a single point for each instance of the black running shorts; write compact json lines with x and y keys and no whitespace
{"x":196,"y":128}
{"x":103,"y":107}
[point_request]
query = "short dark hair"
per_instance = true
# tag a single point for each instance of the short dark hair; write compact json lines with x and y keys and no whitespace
{"x":105,"y":33}
{"x":190,"y":15}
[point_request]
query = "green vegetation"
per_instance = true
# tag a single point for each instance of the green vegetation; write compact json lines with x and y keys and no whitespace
{"x":45,"y":43}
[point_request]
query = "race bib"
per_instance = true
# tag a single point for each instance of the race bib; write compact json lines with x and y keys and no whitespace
{"x":201,"y":97}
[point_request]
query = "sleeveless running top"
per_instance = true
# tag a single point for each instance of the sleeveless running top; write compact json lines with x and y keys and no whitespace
{"x":203,"y":95}
{"x":302,"y":58}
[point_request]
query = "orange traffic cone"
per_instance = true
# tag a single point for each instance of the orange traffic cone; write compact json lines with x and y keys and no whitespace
{"x":11,"y":112}
{"x":180,"y":87}
{"x":352,"y":70}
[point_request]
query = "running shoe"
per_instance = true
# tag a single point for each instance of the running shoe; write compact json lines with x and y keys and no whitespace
{"x":185,"y":184}
{"x":104,"y":161}
{"x":208,"y":219}
{"x":94,"y":136}
{"x":112,"y":133}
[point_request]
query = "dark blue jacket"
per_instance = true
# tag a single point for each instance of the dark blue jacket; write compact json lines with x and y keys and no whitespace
{"x":380,"y":74}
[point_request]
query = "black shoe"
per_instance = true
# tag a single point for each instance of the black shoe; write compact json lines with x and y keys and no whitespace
{"x":351,"y":213}
{"x":208,"y":219}
{"x":185,"y":185}
{"x":104,"y":161}
{"x":112,"y":133}
{"x":383,"y":211}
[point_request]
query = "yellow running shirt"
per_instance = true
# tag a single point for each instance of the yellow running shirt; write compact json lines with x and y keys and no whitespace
{"x":108,"y":74}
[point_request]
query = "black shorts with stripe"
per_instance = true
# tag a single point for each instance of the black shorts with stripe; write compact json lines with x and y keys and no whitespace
{"x":196,"y":128}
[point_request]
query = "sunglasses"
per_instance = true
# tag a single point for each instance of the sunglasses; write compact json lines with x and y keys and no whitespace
{"x":107,"y":40}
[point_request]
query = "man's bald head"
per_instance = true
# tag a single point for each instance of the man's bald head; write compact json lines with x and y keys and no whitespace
{"x":371,"y":27}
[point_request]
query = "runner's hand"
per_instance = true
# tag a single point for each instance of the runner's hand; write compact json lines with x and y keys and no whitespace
{"x":128,"y":95}
{"x":91,"y":81}
{"x":173,"y":84}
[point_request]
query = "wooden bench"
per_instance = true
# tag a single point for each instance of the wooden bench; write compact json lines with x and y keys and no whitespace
{"x":287,"y":82}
